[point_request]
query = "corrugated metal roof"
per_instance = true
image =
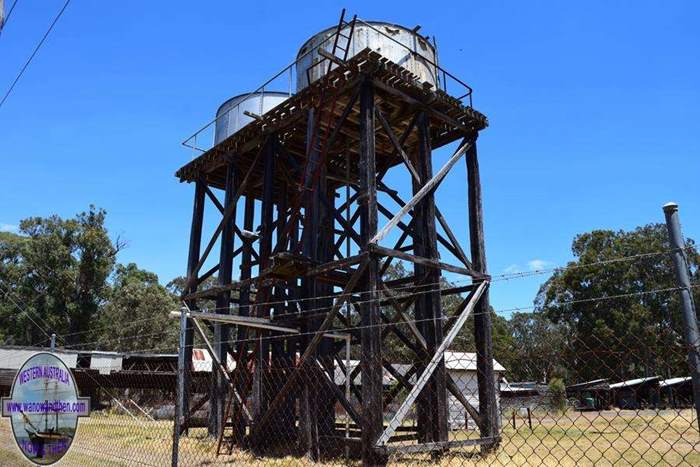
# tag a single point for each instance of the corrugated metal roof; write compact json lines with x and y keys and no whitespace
{"x":466,"y":361}
{"x":674,"y":381}
{"x":14,"y":358}
{"x":634,"y":382}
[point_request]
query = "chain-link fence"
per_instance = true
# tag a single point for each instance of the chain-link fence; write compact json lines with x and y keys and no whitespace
{"x":578,"y":382}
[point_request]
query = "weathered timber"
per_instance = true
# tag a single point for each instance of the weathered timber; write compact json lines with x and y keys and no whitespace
{"x":488,"y":410}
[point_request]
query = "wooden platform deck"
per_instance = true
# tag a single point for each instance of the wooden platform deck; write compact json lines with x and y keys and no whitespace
{"x":397,"y":92}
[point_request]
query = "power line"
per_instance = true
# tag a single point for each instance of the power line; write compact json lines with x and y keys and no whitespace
{"x":415,"y":289}
{"x":7,"y":17}
{"x":383,"y":325}
{"x":36,"y":49}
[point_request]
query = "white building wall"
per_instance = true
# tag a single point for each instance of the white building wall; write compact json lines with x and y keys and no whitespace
{"x":467,"y":383}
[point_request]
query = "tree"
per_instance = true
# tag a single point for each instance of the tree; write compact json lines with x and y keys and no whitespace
{"x":136,"y":317}
{"x":537,"y":347}
{"x":638,"y":333}
{"x":54,"y":274}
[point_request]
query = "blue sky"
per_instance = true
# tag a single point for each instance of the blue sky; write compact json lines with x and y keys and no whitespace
{"x":594,"y":111}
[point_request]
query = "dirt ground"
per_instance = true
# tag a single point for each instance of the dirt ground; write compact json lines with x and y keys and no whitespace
{"x":667,"y":437}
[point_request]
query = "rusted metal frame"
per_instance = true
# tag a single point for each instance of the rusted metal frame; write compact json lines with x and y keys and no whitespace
{"x":311,"y":348}
{"x":423,"y":379}
{"x":429,"y":187}
{"x":452,"y":244}
{"x":230,"y":210}
{"x":427,"y":262}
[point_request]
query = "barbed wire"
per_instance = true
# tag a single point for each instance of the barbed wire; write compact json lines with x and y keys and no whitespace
{"x":413,"y":321}
{"x":495,"y":278}
{"x":361,"y":302}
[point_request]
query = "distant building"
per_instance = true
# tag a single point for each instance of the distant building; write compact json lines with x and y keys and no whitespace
{"x":461,"y":366}
{"x":95,"y":370}
{"x":677,"y":392}
{"x":590,"y":395}
{"x":636,"y":393}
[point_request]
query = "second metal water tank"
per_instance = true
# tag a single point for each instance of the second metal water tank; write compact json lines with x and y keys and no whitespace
{"x":231,"y":115}
{"x":392,"y":41}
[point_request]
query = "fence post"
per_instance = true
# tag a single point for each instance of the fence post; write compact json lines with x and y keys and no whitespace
{"x":690,"y":321}
{"x":181,"y":387}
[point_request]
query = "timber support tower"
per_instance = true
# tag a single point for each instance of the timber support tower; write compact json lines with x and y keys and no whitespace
{"x":304,"y":218}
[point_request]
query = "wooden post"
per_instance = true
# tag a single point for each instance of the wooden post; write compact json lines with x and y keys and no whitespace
{"x":432,"y":406}
{"x":370,"y":336}
{"x":219,"y":390}
{"x":262,"y":356}
{"x":488,"y":410}
{"x":192,"y":260}
{"x":309,"y":441}
{"x":244,"y":307}
{"x":181,"y":395}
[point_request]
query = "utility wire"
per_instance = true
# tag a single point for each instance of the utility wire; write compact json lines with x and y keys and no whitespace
{"x":382,"y":325}
{"x":36,"y":49}
{"x":7,"y":17}
{"x":416,"y":289}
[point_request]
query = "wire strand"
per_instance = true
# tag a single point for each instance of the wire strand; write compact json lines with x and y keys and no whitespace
{"x":36,"y":49}
{"x":7,"y":17}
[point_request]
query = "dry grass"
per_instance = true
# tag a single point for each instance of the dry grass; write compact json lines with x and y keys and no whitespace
{"x":593,"y":438}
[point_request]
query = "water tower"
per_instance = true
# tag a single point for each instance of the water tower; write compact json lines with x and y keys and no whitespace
{"x":305,"y":237}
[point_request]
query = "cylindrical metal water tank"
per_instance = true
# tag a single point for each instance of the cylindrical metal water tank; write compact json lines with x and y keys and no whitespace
{"x":392,"y":41}
{"x":231,"y":117}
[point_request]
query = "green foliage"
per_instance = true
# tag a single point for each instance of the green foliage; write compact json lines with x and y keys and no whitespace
{"x":57,"y":269}
{"x":136,"y":315}
{"x":637,"y":334}
{"x":59,"y":274}
{"x":557,"y":394}
{"x":537,"y":347}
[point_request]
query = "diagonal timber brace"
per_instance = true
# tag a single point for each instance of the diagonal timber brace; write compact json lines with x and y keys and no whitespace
{"x":430,"y":368}
{"x":429,"y":187}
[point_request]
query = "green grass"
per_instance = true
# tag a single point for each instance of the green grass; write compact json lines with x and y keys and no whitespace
{"x":593,"y":438}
